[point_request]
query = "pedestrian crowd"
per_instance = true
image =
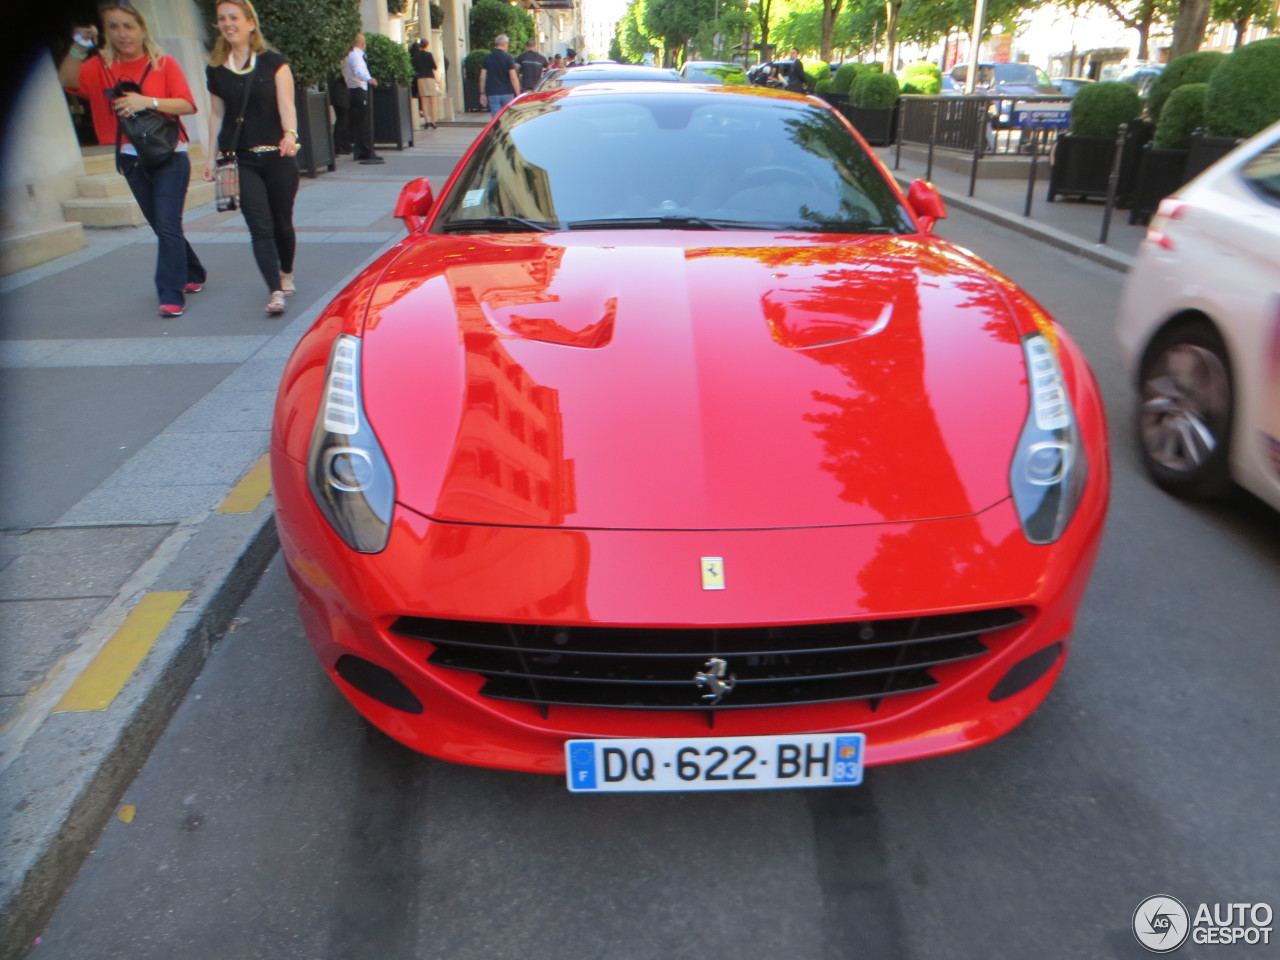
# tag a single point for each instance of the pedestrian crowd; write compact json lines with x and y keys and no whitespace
{"x":137,"y":96}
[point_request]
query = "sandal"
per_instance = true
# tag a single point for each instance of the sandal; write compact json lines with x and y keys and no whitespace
{"x":286,"y":285}
{"x":275,"y":306}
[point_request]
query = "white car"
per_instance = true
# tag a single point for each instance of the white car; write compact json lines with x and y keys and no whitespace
{"x":1200,"y":328}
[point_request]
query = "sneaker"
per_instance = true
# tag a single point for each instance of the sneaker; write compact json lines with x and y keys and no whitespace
{"x":193,"y":288}
{"x":170,"y":310}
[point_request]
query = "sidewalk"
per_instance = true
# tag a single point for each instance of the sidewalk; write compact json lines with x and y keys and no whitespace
{"x":137,"y":516}
{"x":1070,"y":226}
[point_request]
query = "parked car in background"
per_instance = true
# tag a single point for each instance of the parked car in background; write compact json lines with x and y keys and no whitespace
{"x":1015,"y":79}
{"x":1200,"y":327}
{"x":1139,"y":74}
{"x":605,"y":72}
{"x":712,"y":71}
{"x":672,"y":449}
{"x":1070,"y":86}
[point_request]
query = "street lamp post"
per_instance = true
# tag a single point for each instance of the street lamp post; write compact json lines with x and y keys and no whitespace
{"x":979,"y":15}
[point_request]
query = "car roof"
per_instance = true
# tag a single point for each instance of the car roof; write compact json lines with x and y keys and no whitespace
{"x":615,"y":71}
{"x":635,"y":89}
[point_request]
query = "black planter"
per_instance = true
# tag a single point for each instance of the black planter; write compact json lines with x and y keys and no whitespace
{"x":876,"y":124}
{"x":471,"y":95}
{"x":837,"y":100}
{"x":1160,"y":174}
{"x":1081,"y":167}
{"x":392,"y":116}
{"x":1206,"y":151}
{"x":314,"y":131}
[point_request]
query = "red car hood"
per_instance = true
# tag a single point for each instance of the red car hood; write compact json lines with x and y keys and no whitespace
{"x":692,"y":380}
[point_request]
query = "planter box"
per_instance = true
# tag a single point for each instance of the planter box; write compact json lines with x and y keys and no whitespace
{"x":471,"y":95}
{"x":878,"y":125}
{"x":838,"y":100}
{"x":1081,"y":167}
{"x":315,"y":132}
{"x":1206,"y":151}
{"x":393,"y":115}
{"x":1160,"y":174}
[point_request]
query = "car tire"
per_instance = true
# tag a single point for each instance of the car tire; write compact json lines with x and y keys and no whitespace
{"x":1185,"y":411}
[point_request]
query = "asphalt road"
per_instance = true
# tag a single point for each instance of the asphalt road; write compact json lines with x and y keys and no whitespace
{"x":272,"y":822}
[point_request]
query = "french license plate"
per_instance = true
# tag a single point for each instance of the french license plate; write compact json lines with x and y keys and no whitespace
{"x":715,"y":763}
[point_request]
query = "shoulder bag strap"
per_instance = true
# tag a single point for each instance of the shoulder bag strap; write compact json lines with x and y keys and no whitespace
{"x":244,"y":105}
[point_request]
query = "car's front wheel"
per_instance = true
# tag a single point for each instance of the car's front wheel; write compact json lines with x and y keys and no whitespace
{"x":1184,"y":411}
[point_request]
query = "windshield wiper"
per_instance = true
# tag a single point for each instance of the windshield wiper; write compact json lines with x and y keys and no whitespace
{"x":497,"y":225}
{"x":659,"y":223}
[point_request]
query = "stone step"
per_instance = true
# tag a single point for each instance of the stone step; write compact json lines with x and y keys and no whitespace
{"x":122,"y":211}
{"x":18,"y":251}
{"x":98,"y":186}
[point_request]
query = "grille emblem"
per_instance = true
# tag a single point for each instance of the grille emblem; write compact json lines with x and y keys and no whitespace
{"x":712,"y":679}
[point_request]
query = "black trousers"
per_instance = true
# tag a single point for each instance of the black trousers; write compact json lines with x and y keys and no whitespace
{"x":361,"y":121}
{"x":268,"y":185}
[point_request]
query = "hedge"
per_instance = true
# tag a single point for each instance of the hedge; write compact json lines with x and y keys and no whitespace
{"x":1244,"y":92}
{"x":1188,"y":68}
{"x":1183,"y":114}
{"x":1099,"y":108}
{"x":875,"y":90}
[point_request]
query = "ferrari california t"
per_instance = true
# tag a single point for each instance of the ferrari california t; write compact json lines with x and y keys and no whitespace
{"x":673,"y":450}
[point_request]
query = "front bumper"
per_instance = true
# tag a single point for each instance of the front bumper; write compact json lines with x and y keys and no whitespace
{"x":349,"y":602}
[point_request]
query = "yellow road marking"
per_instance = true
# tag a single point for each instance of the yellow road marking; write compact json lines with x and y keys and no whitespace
{"x":251,"y":490}
{"x":106,"y":675}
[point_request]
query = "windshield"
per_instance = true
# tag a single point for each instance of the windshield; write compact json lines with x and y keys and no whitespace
{"x":698,"y":161}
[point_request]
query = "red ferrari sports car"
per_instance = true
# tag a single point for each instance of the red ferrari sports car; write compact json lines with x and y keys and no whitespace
{"x":672,"y":450}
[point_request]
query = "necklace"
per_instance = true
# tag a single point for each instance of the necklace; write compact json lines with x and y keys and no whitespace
{"x":249,"y":63}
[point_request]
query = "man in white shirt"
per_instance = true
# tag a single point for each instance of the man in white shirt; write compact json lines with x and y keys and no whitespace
{"x":355,"y":73}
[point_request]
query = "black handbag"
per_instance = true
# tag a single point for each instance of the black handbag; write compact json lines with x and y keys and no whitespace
{"x":153,"y":134}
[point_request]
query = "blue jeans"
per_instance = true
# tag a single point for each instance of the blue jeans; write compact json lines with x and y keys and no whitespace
{"x":497,"y":101}
{"x":162,"y":193}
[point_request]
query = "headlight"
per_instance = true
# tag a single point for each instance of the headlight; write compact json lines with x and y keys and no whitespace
{"x":1049,"y":467}
{"x":348,"y":474}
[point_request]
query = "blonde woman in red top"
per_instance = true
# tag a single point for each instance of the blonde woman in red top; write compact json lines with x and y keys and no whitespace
{"x":130,"y":54}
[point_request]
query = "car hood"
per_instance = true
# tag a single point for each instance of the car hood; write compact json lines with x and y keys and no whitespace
{"x":689,"y":380}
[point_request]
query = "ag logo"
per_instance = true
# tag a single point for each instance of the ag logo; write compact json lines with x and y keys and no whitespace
{"x":1161,"y":924}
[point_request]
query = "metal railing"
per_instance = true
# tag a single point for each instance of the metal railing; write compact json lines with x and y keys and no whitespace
{"x":980,"y":125}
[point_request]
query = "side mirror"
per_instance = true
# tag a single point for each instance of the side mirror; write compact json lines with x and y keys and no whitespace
{"x":926,"y":203}
{"x":414,"y":203}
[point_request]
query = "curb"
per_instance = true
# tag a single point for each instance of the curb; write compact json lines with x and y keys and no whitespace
{"x":1061,"y":239}
{"x":70,"y":775}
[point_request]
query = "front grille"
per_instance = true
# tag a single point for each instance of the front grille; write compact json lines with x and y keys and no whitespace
{"x":642,"y":668}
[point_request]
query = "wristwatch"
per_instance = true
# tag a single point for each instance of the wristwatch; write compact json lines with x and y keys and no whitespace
{"x":155,"y":104}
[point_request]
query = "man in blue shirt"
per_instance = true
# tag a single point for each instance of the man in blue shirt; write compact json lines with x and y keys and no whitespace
{"x":499,"y":81}
{"x":355,"y":71}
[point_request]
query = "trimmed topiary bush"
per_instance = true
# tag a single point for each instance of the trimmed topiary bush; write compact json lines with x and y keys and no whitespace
{"x":875,"y":90}
{"x":816,"y":71}
{"x":472,"y":63}
{"x":1244,"y":91}
{"x":845,"y":76}
{"x":1188,"y":68}
{"x":1183,"y":114}
{"x":1099,"y":108}
{"x":825,"y":85}
{"x":388,"y":61}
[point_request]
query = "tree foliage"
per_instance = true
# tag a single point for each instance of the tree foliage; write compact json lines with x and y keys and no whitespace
{"x":492,"y":17}
{"x":676,"y":22}
{"x":1142,"y":16}
{"x":1240,"y":13}
{"x":633,"y":39}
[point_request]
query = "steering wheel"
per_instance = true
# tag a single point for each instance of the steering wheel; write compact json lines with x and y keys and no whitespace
{"x":764,"y":176}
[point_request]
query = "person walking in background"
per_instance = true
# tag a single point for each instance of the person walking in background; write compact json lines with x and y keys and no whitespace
{"x":355,"y":71}
{"x":424,"y":71}
{"x":499,"y":82}
{"x":131,"y":56}
{"x":532,"y":66}
{"x":797,"y":80}
{"x":340,"y":100}
{"x":252,"y":114}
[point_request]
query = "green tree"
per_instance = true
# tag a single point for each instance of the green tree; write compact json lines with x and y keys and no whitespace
{"x":1189,"y":23}
{"x":492,"y":17}
{"x":634,"y":40}
{"x":1142,"y":16}
{"x":1240,"y":13}
{"x":676,"y":22}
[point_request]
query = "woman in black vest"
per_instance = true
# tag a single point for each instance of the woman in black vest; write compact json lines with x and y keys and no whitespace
{"x":245,"y":74}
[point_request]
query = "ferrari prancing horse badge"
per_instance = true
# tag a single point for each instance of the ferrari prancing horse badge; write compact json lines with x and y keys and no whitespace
{"x":713,"y":573}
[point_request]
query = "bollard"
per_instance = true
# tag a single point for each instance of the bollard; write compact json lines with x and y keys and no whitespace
{"x":933,"y":138}
{"x":980,"y":141}
{"x":1113,"y":183}
{"x":1036,"y":133}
